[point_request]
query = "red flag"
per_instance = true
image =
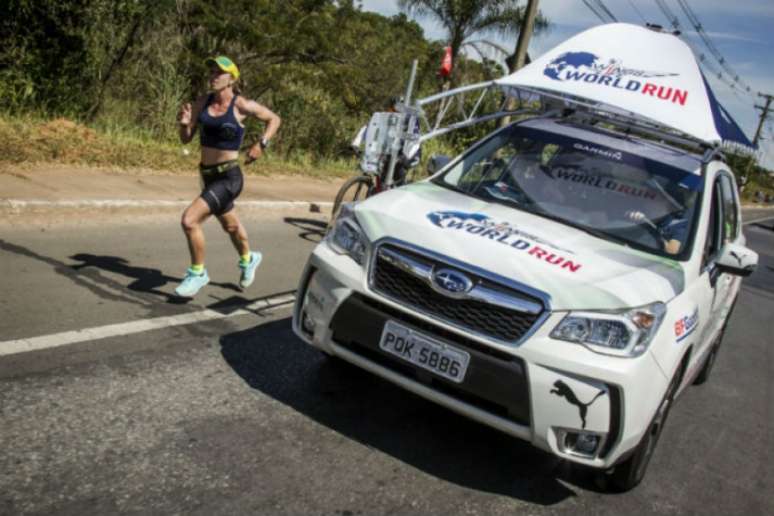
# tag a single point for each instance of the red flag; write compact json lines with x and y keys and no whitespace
{"x":446,"y":63}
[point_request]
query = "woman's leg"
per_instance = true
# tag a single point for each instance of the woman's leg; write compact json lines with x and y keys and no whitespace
{"x":191,"y":222}
{"x":236,"y":231}
{"x":248,"y":260}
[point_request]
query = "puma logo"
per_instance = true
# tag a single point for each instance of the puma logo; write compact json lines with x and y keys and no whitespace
{"x":563,"y":390}
{"x":738,"y":258}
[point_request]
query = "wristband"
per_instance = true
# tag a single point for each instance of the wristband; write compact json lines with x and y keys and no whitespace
{"x":263,"y":142}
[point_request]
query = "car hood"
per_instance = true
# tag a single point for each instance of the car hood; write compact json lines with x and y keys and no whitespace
{"x":575,"y":269}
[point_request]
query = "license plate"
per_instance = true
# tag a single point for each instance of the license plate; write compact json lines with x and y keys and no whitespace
{"x":425,"y":352}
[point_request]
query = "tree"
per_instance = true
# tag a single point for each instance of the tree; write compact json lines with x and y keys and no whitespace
{"x":464,"y":19}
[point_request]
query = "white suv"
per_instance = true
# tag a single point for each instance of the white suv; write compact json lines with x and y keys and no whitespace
{"x":558,"y":281}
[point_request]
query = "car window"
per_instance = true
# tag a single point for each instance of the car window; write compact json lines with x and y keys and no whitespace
{"x":714,"y":229}
{"x":730,"y":212}
{"x":622,"y":197}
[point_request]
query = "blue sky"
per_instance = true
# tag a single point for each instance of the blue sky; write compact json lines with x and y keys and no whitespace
{"x":742,"y":30}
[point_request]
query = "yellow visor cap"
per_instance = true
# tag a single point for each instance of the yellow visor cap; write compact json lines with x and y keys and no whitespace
{"x":225,"y":64}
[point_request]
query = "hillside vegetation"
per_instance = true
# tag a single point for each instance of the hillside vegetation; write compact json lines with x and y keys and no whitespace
{"x":99,"y":82}
{"x":123,"y":67}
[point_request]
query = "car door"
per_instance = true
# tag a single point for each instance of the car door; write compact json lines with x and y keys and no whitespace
{"x":723,"y":227}
{"x":725,"y":288}
{"x":710,"y":274}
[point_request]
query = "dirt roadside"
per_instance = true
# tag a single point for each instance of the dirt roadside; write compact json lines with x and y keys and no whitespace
{"x":52,"y":194}
{"x":58,"y":194}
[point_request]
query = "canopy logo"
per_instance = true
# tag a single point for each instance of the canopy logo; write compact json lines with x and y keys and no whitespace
{"x":503,"y":233}
{"x":587,"y":67}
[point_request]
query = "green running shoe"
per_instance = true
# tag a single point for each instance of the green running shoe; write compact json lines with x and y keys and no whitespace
{"x":192,"y":283}
{"x":248,"y":269}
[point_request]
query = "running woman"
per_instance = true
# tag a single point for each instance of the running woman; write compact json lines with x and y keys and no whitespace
{"x":220,"y":115}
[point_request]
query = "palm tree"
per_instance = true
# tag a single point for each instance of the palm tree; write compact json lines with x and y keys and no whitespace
{"x":464,"y":19}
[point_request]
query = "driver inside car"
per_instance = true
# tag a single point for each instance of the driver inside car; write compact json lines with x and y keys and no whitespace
{"x":671,"y":228}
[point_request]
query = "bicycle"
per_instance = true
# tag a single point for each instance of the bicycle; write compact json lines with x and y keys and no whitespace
{"x":362,"y":186}
{"x":379,"y":157}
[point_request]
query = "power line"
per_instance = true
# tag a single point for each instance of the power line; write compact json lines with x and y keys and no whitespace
{"x":703,"y":61}
{"x":639,"y":13}
{"x":594,"y":10}
{"x":669,"y":14}
{"x":604,"y":9}
{"x":694,"y":20}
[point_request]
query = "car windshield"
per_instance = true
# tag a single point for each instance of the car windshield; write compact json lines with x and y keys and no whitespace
{"x":612,"y":194}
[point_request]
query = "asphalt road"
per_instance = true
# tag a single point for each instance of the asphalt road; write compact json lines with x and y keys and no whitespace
{"x":236,"y":415}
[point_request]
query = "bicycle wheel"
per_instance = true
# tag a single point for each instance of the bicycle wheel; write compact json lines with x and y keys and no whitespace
{"x":354,"y":189}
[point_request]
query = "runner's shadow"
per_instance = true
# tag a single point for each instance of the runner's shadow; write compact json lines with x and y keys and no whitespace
{"x":145,"y":279}
{"x":313,"y":230}
{"x":374,"y":412}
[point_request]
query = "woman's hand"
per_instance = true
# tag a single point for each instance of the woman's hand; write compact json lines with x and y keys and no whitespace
{"x":184,"y":115}
{"x":253,"y":153}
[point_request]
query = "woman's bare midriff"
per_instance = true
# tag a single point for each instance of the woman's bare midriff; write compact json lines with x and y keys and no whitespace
{"x":212,"y":156}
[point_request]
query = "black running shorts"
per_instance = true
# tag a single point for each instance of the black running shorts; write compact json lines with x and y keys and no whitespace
{"x":220,"y":190}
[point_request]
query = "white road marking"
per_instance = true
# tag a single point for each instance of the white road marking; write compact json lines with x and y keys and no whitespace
{"x":13,"y":347}
{"x":758,"y":220}
{"x":17,"y":204}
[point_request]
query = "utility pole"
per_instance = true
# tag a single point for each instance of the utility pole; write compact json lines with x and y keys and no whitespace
{"x":525,"y":33}
{"x":764,"y":113}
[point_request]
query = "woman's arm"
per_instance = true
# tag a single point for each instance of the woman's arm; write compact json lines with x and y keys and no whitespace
{"x":187,"y":117}
{"x":251,"y":107}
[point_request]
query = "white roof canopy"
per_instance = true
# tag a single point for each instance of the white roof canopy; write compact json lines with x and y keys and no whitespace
{"x":645,"y":72}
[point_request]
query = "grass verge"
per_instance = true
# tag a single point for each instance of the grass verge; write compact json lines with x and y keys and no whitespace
{"x":29,"y":139}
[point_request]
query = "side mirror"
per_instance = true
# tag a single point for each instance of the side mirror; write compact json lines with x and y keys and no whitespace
{"x":436,"y":163}
{"x":737,"y":259}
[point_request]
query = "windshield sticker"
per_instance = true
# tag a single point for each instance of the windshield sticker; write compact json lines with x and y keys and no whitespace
{"x":617,"y":155}
{"x":503,"y":233}
{"x":686,"y":178}
{"x":577,"y":175}
{"x":587,"y":67}
{"x":684,"y":326}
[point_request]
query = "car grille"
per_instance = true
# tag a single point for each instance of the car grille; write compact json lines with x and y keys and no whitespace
{"x":496,"y":382}
{"x":479,"y":316}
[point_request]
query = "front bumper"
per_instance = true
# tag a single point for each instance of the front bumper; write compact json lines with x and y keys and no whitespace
{"x":541,"y":390}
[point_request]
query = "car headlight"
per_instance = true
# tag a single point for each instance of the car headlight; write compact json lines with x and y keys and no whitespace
{"x":625,"y":334}
{"x":347,"y":237}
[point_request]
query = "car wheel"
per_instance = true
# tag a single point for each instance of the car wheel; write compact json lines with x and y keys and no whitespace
{"x":709,"y":362}
{"x":629,"y":473}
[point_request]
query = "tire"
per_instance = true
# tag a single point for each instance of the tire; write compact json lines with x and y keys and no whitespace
{"x":709,"y":362}
{"x":629,"y":473}
{"x":354,"y":189}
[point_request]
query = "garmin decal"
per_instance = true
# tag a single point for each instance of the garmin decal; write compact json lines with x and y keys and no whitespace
{"x":616,"y":155}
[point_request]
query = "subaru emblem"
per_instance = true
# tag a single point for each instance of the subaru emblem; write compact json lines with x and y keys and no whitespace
{"x":451,"y":283}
